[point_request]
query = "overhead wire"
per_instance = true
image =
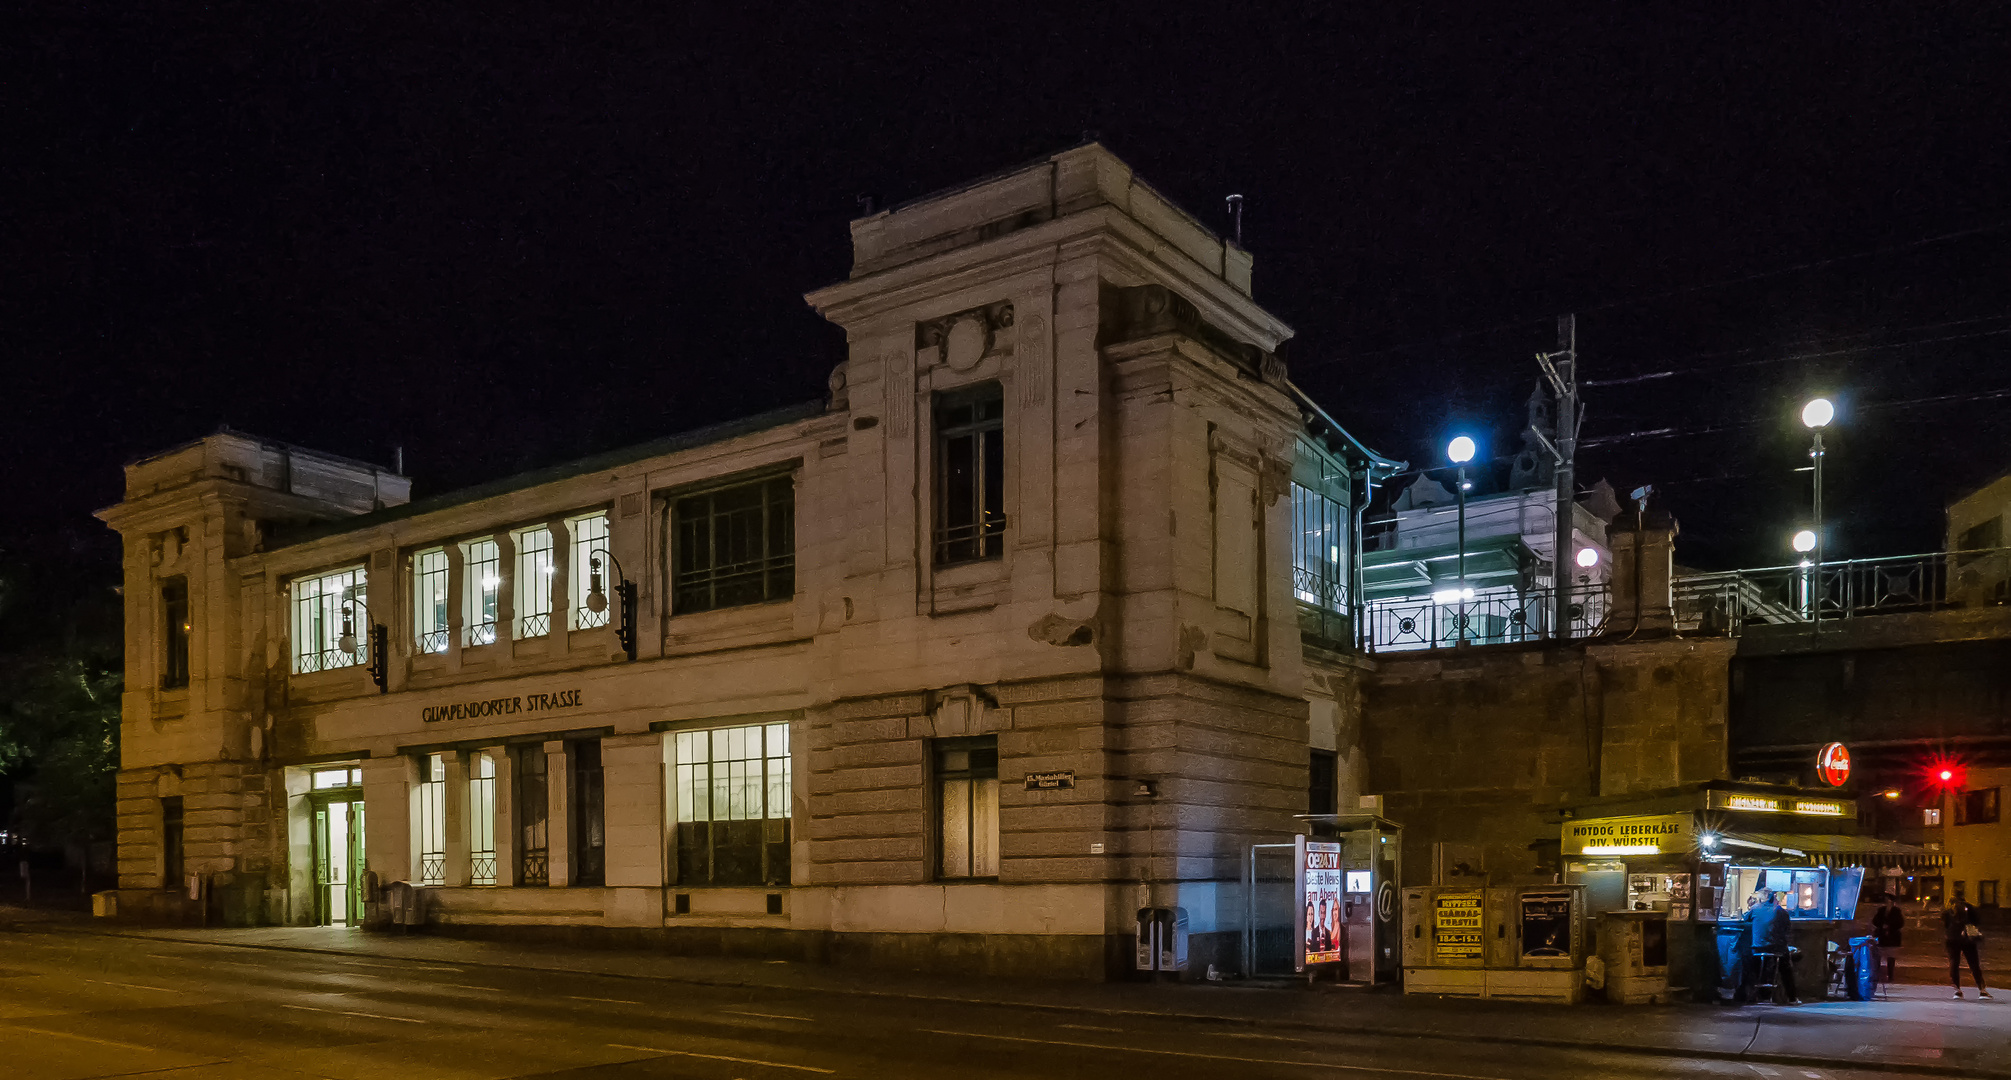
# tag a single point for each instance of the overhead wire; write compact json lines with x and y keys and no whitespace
{"x":1536,"y":320}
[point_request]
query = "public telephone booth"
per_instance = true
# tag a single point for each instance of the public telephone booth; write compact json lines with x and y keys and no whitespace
{"x":1349,"y":913}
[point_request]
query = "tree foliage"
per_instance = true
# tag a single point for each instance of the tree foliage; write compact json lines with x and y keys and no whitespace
{"x":60,"y":684}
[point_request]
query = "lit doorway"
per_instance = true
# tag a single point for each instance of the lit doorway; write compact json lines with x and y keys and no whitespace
{"x":338,"y":847}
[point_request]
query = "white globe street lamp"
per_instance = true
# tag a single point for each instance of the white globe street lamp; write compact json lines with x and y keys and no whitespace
{"x":1804,"y":541}
{"x":1588,"y":557}
{"x":1816,"y":416}
{"x":1460,"y":451}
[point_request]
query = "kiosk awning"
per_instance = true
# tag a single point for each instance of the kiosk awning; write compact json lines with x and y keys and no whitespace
{"x":1830,"y":849}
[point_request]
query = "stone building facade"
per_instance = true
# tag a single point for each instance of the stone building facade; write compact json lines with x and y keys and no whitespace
{"x":957,"y":668}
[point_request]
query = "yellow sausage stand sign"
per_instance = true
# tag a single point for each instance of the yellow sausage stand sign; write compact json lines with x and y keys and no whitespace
{"x":1653,"y":834}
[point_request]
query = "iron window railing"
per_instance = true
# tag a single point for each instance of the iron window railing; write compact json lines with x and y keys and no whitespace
{"x":533,"y":812}
{"x":482,"y":589}
{"x":535,"y":571}
{"x":317,"y":621}
{"x":590,"y":542}
{"x":735,"y":545}
{"x":481,"y":820}
{"x":433,"y":822}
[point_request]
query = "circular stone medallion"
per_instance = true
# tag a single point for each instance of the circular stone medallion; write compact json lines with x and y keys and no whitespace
{"x":964,"y":345}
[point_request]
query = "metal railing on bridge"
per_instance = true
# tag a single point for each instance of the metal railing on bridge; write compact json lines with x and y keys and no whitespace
{"x":1725,"y":602}
{"x":1490,"y":617}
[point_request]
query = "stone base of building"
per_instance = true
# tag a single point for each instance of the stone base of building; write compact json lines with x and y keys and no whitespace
{"x":231,"y":901}
{"x":1097,"y":958}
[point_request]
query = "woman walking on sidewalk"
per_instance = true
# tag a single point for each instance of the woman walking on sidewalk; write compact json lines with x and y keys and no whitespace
{"x":1888,"y":924}
{"x":1964,"y":938}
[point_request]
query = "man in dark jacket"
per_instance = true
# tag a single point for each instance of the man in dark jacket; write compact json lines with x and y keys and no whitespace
{"x":1888,"y":924}
{"x":1770,"y":922}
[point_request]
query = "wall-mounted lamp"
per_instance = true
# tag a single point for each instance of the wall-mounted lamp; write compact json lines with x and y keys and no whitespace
{"x":380,"y":644}
{"x":624,"y":633}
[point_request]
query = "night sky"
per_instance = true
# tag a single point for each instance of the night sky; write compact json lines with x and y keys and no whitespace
{"x":503,"y":237}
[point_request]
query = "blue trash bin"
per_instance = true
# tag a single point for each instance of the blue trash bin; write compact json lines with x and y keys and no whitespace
{"x":1862,"y":978}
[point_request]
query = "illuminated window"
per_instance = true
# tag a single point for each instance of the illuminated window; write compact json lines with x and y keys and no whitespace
{"x":318,"y":604}
{"x":735,"y":545}
{"x":175,"y":632}
{"x":1319,"y":549}
{"x":589,"y":543}
{"x":733,"y":805}
{"x":482,"y":585}
{"x":429,"y":601}
{"x":967,"y":807}
{"x":433,"y":820}
{"x":481,"y":820}
{"x":534,"y":582}
{"x":325,"y":779}
{"x":970,"y":475}
{"x":1930,"y":815}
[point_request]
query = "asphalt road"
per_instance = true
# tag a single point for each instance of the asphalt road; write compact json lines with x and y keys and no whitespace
{"x":74,"y":1006}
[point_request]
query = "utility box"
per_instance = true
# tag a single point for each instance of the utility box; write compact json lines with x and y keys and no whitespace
{"x":1513,"y":943}
{"x":1445,"y":941}
{"x":1634,"y":952}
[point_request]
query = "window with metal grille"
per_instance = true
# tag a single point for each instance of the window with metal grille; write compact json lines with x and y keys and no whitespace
{"x":175,"y":632}
{"x":590,"y":542}
{"x":533,"y":808}
{"x":433,"y":820}
{"x":967,"y":807}
{"x":735,"y":545}
{"x":970,"y":475}
{"x":1319,"y":549}
{"x":482,"y":565}
{"x":588,"y":813}
{"x":318,"y":617}
{"x":534,"y":582}
{"x":481,"y":819}
{"x":429,"y":601}
{"x":733,"y":821}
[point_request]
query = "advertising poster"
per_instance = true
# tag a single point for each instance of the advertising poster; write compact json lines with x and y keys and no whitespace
{"x":1456,"y":929}
{"x":1324,"y":937}
{"x":1546,"y":924}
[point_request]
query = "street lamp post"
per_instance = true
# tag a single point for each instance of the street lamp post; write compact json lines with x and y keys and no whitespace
{"x":1816,"y":416}
{"x":1460,"y":451}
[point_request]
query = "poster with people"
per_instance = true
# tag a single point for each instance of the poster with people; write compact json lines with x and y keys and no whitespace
{"x":1324,"y":933}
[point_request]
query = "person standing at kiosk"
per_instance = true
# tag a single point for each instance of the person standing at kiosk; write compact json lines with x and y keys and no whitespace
{"x":1770,"y":922}
{"x":1888,"y":923}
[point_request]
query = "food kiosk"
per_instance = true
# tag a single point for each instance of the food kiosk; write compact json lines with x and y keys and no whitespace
{"x":1695,"y":858}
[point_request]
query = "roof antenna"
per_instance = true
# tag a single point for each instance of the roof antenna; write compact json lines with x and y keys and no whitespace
{"x":1236,"y":214}
{"x":398,"y":460}
{"x":868,"y":203}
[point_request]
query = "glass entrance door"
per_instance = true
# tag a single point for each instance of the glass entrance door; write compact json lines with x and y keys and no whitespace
{"x":338,"y":861}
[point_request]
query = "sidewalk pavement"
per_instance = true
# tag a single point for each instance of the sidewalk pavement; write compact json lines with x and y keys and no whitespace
{"x":1918,"y":1029}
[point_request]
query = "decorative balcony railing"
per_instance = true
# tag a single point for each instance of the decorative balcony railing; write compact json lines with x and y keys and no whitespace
{"x":1725,"y":602}
{"x":1492,"y":617}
